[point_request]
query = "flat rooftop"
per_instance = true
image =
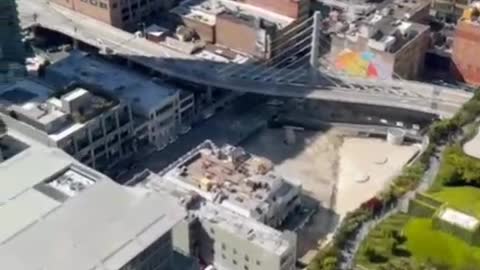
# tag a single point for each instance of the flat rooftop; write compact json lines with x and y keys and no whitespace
{"x":143,"y":94}
{"x":40,"y":106}
{"x":459,"y":219}
{"x":24,"y":179}
{"x":229,"y":176}
{"x":206,"y":11}
{"x":199,"y":10}
{"x":249,"y":229}
{"x":59,"y":214}
{"x":384,"y":32}
{"x":255,"y":232}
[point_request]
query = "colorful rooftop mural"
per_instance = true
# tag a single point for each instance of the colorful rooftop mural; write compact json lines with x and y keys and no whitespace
{"x":364,"y":64}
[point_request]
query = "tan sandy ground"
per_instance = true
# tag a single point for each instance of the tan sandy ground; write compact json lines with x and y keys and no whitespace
{"x":472,"y":147}
{"x":366,"y":166}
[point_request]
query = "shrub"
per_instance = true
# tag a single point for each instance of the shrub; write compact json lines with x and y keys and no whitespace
{"x":376,"y":254}
{"x":458,"y":168}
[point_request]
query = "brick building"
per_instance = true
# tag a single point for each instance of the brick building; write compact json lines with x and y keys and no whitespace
{"x":466,"y":48}
{"x":450,"y":10}
{"x":238,"y":26}
{"x":124,"y":14}
{"x":381,"y":47}
{"x":244,"y":33}
{"x":291,"y":8}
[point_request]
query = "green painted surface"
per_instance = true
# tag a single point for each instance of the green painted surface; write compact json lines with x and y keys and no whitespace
{"x":465,"y":199}
{"x":425,"y":243}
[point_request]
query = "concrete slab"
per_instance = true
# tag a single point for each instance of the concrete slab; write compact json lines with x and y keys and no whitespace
{"x":366,"y":167}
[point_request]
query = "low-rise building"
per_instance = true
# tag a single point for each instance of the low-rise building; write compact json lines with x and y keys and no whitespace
{"x":449,"y":10}
{"x":381,"y":46}
{"x":236,"y":180}
{"x":58,"y":214}
{"x":226,"y":239}
{"x":159,"y":110}
{"x":466,"y":47}
{"x":353,"y":10}
{"x":200,"y":16}
{"x":121,"y":14}
{"x":238,"y":26}
{"x":293,"y":9}
{"x":91,"y":125}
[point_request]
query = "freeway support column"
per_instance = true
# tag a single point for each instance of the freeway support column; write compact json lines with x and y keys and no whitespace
{"x":209,"y":94}
{"x":75,"y":44}
{"x":314,"y":63}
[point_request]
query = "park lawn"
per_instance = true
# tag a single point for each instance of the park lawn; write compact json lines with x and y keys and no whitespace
{"x":465,"y":199}
{"x":426,"y":243}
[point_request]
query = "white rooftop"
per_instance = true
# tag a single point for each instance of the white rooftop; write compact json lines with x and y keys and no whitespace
{"x":20,"y":200}
{"x":103,"y":227}
{"x":33,"y":100}
{"x":249,"y":229}
{"x":206,"y":11}
{"x":203,"y":11}
{"x":143,"y":94}
{"x":255,"y":232}
{"x":230,"y":177}
{"x":459,"y":219}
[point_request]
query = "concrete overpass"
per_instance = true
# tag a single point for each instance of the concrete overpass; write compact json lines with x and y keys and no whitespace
{"x":392,"y":93}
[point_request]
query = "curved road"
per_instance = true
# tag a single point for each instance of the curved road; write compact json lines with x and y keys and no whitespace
{"x":401,"y":94}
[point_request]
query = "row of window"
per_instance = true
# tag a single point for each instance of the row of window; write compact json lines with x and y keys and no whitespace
{"x":99,"y":4}
{"x":234,"y":251}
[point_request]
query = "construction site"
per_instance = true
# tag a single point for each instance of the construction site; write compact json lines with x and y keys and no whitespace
{"x":336,"y":168}
{"x":237,"y":180}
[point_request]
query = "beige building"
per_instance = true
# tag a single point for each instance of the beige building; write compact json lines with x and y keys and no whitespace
{"x":124,"y":14}
{"x":381,"y":47}
{"x":238,"y":181}
{"x":225,"y":239}
{"x":159,"y":111}
{"x":88,"y":124}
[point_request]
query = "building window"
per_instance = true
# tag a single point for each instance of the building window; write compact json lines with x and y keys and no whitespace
{"x":247,"y":258}
{"x":258,"y":262}
{"x":224,"y":257}
{"x":114,"y":5}
{"x":212,"y":231}
{"x":245,"y":267}
{"x":103,"y":5}
{"x":234,"y":251}
{"x":224,"y":247}
{"x":234,"y":262}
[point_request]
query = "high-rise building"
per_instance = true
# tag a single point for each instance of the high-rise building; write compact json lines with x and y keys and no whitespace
{"x":12,"y":50}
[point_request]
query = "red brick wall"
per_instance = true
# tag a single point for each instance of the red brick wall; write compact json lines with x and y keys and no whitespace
{"x":235,"y":35}
{"x":65,"y":3}
{"x":205,"y":32}
{"x":466,"y":53}
{"x":290,"y":8}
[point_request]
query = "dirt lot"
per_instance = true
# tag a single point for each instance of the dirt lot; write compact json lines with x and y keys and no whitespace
{"x":336,"y":172}
{"x":311,"y":161}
